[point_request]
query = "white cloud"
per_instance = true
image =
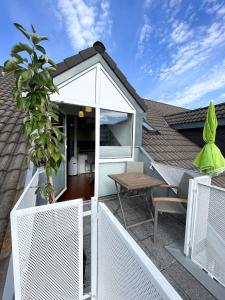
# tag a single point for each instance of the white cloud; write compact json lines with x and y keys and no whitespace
{"x":172,"y":8}
{"x":194,"y":52}
{"x":144,"y":36}
{"x":181,"y":32}
{"x":85,"y":21}
{"x":145,"y":69}
{"x":213,"y":6}
{"x":214,"y":81}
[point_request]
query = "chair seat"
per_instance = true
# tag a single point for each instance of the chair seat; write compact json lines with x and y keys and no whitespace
{"x":169,"y":206}
{"x":169,"y":199}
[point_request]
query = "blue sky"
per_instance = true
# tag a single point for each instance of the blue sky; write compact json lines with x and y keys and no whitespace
{"x":170,"y":50}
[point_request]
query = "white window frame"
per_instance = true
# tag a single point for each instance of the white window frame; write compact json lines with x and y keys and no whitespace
{"x":121,"y":159}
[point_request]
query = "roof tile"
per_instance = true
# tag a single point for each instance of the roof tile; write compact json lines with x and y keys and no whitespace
{"x":87,"y":53}
{"x":196,"y":115}
{"x":73,"y":60}
{"x":12,"y":156}
{"x":169,"y":146}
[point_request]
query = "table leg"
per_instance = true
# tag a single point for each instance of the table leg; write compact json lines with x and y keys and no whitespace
{"x":149,"y":202}
{"x":120,"y":202}
{"x":148,"y":199}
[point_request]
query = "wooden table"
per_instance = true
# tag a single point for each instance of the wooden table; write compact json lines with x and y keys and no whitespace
{"x":130,"y":182}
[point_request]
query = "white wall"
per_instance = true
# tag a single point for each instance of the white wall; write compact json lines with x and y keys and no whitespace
{"x":79,"y":90}
{"x":91,"y":87}
{"x":106,"y":184}
{"x":111,"y":94}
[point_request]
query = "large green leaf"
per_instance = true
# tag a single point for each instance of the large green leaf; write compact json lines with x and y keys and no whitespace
{"x":40,"y":48}
{"x":21,"y":47}
{"x":38,"y":38}
{"x":24,"y":77}
{"x":22,"y":29}
{"x":19,"y":58}
{"x":10,"y":65}
{"x":51,"y":62}
{"x":33,"y":29}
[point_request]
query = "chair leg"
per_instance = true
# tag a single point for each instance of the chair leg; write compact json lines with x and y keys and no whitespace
{"x":147,"y":199}
{"x":155,"y":222}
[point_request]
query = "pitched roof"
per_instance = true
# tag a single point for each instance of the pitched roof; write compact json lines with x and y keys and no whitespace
{"x":196,"y":115}
{"x":166,"y":109}
{"x":169,"y":146}
{"x":98,"y":48}
{"x":12,"y":163}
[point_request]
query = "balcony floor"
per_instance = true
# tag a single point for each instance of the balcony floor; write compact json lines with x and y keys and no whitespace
{"x":170,"y":229}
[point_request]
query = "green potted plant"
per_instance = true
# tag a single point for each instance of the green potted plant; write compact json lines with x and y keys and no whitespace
{"x":34,"y":84}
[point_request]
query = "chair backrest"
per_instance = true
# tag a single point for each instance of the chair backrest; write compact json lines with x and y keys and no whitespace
{"x":135,"y":167}
{"x":91,"y":157}
{"x":182,"y":191}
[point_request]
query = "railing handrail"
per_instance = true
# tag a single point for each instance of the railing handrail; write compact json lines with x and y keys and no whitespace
{"x":27,"y":188}
{"x":212,"y":186}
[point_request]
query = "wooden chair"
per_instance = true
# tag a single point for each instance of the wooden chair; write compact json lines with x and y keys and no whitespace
{"x":172,"y":205}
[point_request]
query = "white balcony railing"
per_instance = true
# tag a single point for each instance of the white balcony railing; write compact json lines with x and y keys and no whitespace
{"x":124,"y":270}
{"x":47,"y":244}
{"x":208,"y":229}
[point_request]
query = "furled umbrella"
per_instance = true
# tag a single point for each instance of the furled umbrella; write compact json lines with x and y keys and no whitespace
{"x":210,"y":160}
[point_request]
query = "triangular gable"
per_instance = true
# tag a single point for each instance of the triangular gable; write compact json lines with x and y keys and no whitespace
{"x":80,"y":90}
{"x":110,"y":94}
{"x":93,"y":87}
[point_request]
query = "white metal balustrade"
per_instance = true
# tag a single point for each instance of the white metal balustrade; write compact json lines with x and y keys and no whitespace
{"x":47,"y":244}
{"x":208,"y":237}
{"x":124,"y":270}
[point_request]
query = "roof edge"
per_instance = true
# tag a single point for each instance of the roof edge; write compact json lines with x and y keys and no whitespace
{"x":99,"y":48}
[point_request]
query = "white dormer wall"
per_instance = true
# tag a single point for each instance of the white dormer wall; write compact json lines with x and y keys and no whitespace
{"x":93,"y":83}
{"x":93,"y":87}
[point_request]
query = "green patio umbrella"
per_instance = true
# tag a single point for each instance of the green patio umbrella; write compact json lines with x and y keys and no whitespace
{"x":210,"y":160}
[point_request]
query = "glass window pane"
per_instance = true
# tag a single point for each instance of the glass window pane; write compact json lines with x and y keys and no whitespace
{"x":115,"y":134}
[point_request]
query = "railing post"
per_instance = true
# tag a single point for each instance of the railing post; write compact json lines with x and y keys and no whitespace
{"x":191,"y":211}
{"x":94,"y":247}
{"x":189,"y":217}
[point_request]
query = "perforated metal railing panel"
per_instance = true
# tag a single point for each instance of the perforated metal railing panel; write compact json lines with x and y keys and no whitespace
{"x":48,"y":251}
{"x":208,"y":249}
{"x":124,"y":271}
{"x":28,"y":198}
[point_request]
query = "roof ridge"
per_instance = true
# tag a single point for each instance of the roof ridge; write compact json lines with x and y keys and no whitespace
{"x":196,"y":109}
{"x":165,"y":103}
